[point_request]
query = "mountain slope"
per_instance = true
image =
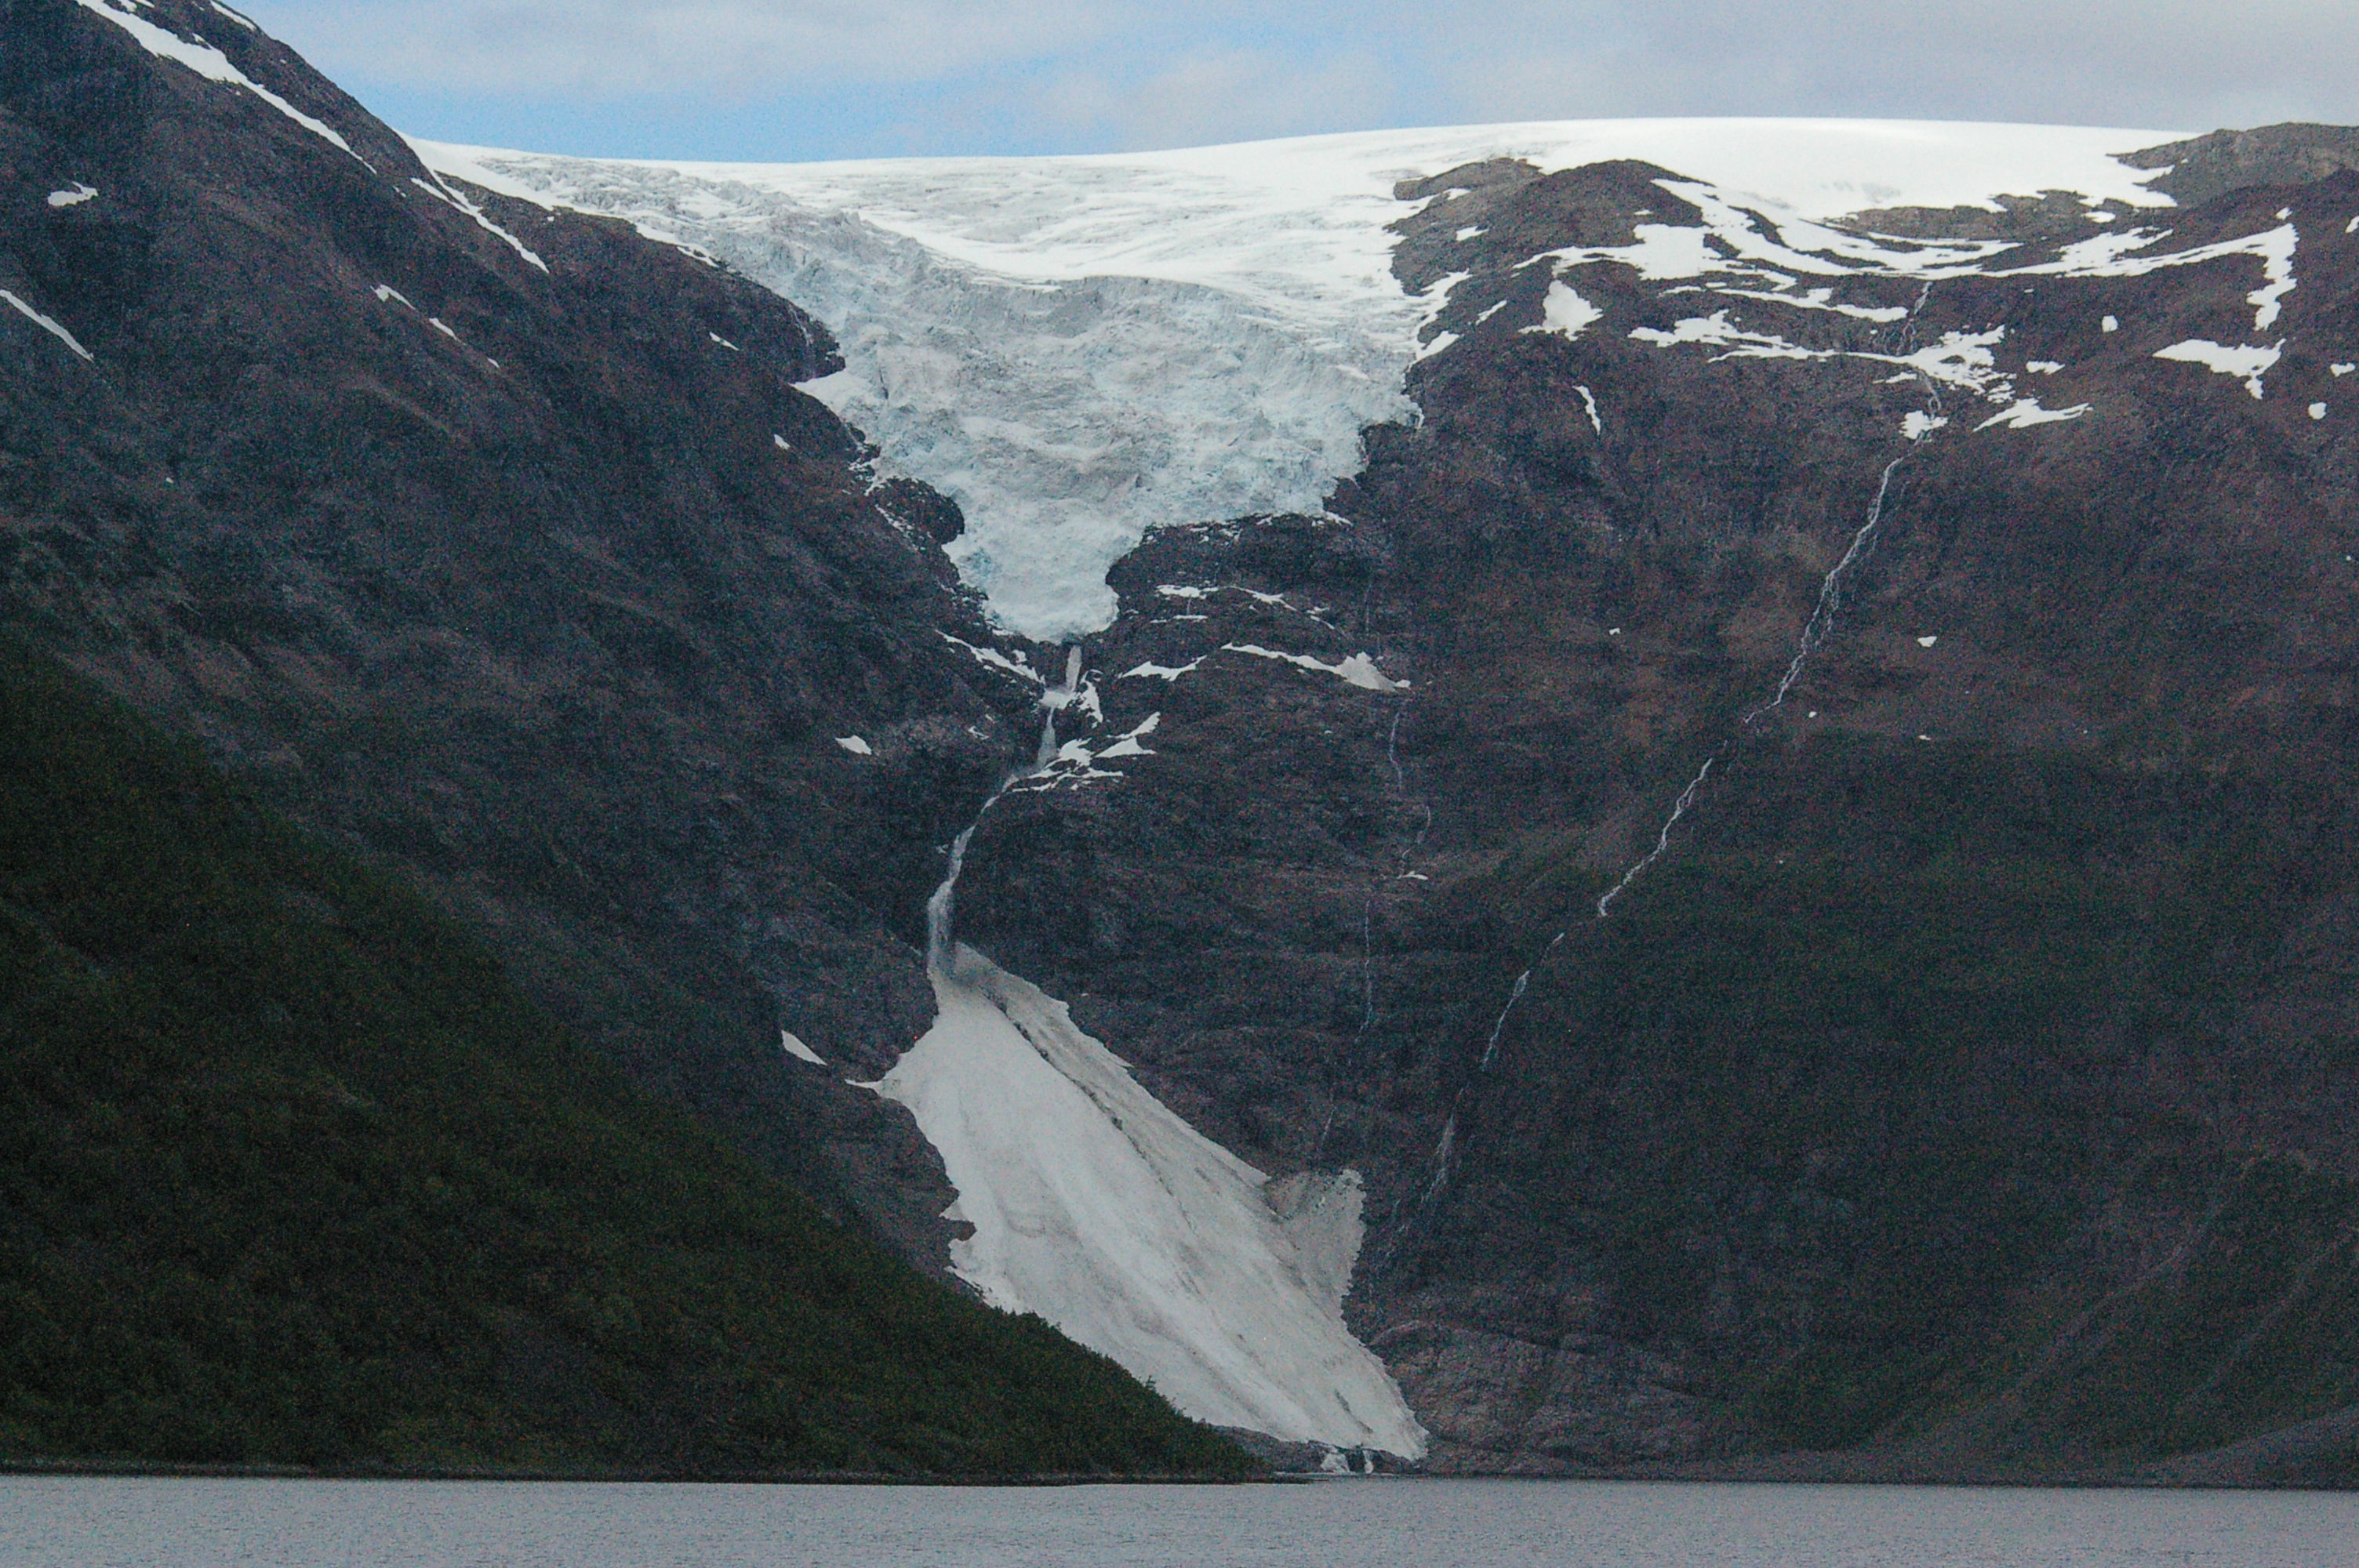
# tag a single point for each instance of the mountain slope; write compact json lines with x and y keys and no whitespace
{"x":506,"y":553}
{"x":1957,"y":1075}
{"x":292,"y":1177}
{"x":1791,"y":824}
{"x":1741,"y":728}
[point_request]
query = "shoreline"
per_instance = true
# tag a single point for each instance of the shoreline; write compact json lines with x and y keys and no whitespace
{"x":1767,"y":1472}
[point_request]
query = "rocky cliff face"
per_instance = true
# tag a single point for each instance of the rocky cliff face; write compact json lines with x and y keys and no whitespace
{"x":502,"y":544}
{"x":1945,"y":684}
{"x":1789,"y":823}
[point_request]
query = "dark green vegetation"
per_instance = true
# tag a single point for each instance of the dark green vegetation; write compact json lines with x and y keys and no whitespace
{"x":289,"y":1174}
{"x":1962,"y":1099}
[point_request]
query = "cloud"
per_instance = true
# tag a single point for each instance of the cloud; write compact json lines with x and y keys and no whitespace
{"x":2153,"y":62}
{"x":1211,"y":95}
{"x":630,"y":48}
{"x":987,"y":75}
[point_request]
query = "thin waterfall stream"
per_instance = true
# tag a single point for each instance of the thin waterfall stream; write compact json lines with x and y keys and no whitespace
{"x":1816,"y":630}
{"x":939,"y":904}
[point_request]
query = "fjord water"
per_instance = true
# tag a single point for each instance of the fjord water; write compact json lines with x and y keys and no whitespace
{"x":51,"y":1522}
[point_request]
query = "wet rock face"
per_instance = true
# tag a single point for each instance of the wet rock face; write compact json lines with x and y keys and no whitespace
{"x":1506,"y":1404}
{"x":2003,"y":928}
{"x":501,"y":544}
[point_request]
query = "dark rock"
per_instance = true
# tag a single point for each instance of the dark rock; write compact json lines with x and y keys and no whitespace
{"x":2203,"y":169}
{"x":537,"y":579}
{"x":1926,"y":1036}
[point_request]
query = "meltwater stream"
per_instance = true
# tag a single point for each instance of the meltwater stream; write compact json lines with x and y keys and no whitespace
{"x":1816,"y":629}
{"x":1096,"y":1207}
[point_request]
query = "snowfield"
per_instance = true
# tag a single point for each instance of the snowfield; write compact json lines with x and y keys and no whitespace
{"x":1078,"y":350}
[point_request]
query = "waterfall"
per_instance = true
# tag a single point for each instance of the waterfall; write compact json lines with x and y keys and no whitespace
{"x":1662,"y":843}
{"x":1498,"y":1027}
{"x":938,"y":907}
{"x":939,"y":904}
{"x":1055,"y":700}
{"x":1829,"y":602}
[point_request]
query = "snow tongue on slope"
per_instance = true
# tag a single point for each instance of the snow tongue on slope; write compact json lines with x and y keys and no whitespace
{"x":1098,"y":1207}
{"x":1078,"y":350}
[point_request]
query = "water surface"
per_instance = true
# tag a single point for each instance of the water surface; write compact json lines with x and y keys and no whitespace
{"x":140,"y":1523}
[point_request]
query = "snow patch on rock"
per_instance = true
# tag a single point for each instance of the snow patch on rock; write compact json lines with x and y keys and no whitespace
{"x":1566,"y":312}
{"x":1127,"y":745}
{"x":1356,"y":670}
{"x":2247,"y":361}
{"x":2025,"y":412}
{"x":1160,"y":672}
{"x":1017,"y":665}
{"x":1716,"y":330}
{"x":212,"y":65}
{"x":1819,"y":299}
{"x":2274,"y":248}
{"x":449,"y":198}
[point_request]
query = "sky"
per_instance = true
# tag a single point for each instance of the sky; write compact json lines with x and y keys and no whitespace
{"x":796,"y":79}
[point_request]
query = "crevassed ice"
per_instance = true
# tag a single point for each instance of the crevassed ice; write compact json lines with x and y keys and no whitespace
{"x":1079,"y":349}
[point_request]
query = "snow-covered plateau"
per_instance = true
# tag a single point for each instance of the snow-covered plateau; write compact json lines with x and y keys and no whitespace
{"x":1078,"y":350}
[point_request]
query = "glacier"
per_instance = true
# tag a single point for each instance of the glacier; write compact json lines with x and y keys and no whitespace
{"x":1078,"y":350}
